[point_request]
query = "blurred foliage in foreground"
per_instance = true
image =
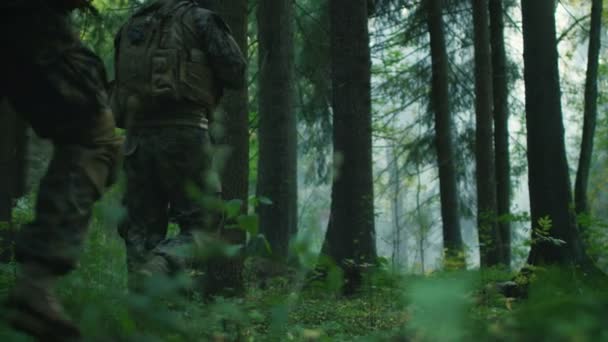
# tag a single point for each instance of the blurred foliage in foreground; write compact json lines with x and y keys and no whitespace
{"x":434,"y":307}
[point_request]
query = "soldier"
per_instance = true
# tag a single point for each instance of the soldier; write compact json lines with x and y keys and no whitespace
{"x":174,"y":59}
{"x":58,"y":86}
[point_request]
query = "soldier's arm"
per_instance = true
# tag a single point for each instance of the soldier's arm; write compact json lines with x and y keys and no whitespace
{"x":225,"y":56}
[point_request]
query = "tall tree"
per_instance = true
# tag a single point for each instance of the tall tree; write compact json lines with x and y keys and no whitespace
{"x":227,"y":273}
{"x":277,"y":163}
{"x":489,"y":237}
{"x":501,"y":126}
{"x":590,"y":114}
{"x":452,"y":238}
{"x":398,"y":240}
{"x":350,"y":232}
{"x":7,"y":156}
{"x":13,"y":144}
{"x":548,"y":178}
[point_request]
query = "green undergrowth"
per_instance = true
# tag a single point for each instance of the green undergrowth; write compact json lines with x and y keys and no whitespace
{"x":443,"y":306}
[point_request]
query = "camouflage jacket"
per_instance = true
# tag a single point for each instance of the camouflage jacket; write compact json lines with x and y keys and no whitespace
{"x":173,"y":61}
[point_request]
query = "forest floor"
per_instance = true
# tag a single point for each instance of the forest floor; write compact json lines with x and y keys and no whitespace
{"x":443,"y":306}
{"x":438,"y":307}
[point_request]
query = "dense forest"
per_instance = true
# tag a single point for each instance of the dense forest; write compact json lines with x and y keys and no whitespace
{"x":395,"y":170}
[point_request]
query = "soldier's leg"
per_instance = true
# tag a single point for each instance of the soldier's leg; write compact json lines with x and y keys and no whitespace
{"x":48,"y":247}
{"x":194,"y":198}
{"x":81,"y":127}
{"x":58,"y":85}
{"x":145,"y":200}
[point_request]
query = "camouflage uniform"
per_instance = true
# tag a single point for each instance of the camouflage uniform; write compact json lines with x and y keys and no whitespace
{"x":173,"y":61}
{"x":58,"y":86}
{"x":168,"y":176}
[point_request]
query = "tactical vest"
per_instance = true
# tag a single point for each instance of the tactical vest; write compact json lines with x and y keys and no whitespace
{"x":162,"y":75}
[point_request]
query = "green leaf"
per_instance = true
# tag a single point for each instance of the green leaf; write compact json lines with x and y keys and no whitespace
{"x":233,"y":208}
{"x":232,"y":250}
{"x":266,"y":243}
{"x":264,"y":200}
{"x":249,"y":223}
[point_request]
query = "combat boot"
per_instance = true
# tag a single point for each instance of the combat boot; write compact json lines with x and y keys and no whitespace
{"x":33,"y":308}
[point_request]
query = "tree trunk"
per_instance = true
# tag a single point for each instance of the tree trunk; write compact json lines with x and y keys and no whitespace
{"x":501,"y":127}
{"x":350,"y":236}
{"x":7,"y":156}
{"x":452,"y":238}
{"x":277,"y":163}
{"x":12,"y":172}
{"x":227,"y":274}
{"x":399,"y":242}
{"x":549,"y":182}
{"x":590,"y":114}
{"x":421,"y":221}
{"x":489,"y":236}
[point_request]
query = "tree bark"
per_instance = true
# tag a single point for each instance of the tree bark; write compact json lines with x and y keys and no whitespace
{"x":7,"y":158}
{"x":227,"y":274}
{"x":590,"y":114}
{"x":549,"y":182}
{"x":452,"y":238}
{"x":12,"y":172}
{"x":501,"y":127}
{"x":490,"y":244}
{"x":398,"y":240}
{"x":277,"y":163}
{"x":351,"y":234}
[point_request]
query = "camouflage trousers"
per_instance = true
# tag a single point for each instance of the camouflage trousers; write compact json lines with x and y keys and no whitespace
{"x":169,"y":179}
{"x":58,"y":86}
